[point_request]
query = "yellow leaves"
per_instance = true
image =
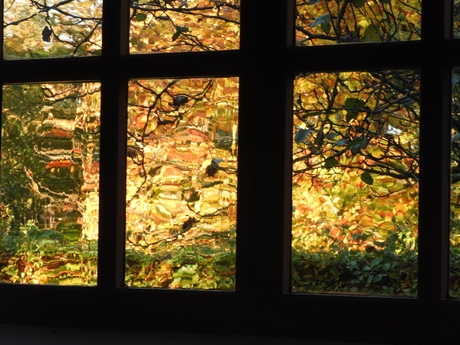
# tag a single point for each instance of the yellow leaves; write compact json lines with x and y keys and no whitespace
{"x":168,"y":183}
{"x":343,"y":204}
{"x":29,"y":33}
{"x":367,"y":222}
{"x":188,"y":26}
{"x":355,"y":20}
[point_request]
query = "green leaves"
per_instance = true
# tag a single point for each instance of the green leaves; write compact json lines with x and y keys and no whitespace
{"x":352,"y":105}
{"x":346,"y":200}
{"x":376,"y":272}
{"x":349,"y":21}
{"x":371,"y":34}
{"x":140,"y":17}
{"x":359,"y":3}
{"x":358,"y":143}
{"x":331,"y":163}
{"x":324,"y":21}
{"x":367,"y":178}
{"x":301,"y":135}
{"x":456,"y":137}
{"x":179,"y":31}
{"x":321,"y":19}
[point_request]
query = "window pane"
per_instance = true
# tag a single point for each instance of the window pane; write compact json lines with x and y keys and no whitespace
{"x":355,"y":182}
{"x":49,"y":183}
{"x":321,"y":22}
{"x":456,"y":21}
{"x":455,"y":189}
{"x":183,"y":26}
{"x":51,"y":28}
{"x":181,"y":183}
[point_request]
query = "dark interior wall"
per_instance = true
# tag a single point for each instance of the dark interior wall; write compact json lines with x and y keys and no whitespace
{"x":30,"y":335}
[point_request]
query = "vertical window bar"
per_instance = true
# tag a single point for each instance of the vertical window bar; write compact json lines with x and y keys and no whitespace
{"x":434,"y":156}
{"x":113,"y":147}
{"x":262,"y":150}
{"x":2,"y":20}
{"x":115,"y":29}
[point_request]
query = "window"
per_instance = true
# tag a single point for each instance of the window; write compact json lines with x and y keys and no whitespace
{"x":355,"y":182}
{"x":266,"y":65}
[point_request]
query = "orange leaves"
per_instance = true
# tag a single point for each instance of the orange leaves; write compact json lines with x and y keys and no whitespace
{"x":52,"y":28}
{"x":332,"y":22}
{"x":182,"y":130}
{"x":347,"y":163}
{"x":139,"y":120}
{"x":195,"y":25}
{"x":58,"y":146}
{"x":56,"y":132}
{"x":59,"y":164}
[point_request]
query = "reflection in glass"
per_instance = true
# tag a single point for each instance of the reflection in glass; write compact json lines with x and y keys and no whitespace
{"x":321,"y":22}
{"x":181,"y":183}
{"x":355,"y":182}
{"x":51,"y":28}
{"x":49,"y":184}
{"x":183,"y":26}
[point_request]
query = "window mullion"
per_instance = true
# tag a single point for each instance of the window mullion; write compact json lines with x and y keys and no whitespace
{"x":262,"y":152}
{"x":434,"y":183}
{"x":434,"y":155}
{"x":115,"y":28}
{"x":113,"y":147}
{"x":112,"y":183}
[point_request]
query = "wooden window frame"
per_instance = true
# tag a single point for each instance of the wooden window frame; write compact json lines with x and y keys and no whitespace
{"x":262,"y":304}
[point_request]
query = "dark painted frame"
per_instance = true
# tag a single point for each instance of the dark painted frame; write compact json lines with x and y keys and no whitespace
{"x":262,"y":304}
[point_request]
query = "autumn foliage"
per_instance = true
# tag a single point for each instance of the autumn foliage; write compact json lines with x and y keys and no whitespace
{"x":355,"y":157}
{"x":182,"y":149}
{"x":50,"y":182}
{"x":321,"y":22}
{"x":181,"y":183}
{"x":355,"y":178}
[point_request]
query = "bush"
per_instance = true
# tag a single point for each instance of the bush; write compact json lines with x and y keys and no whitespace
{"x":384,"y":268}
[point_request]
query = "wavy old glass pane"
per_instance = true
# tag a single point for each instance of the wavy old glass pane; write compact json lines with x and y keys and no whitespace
{"x":182,"y":183}
{"x":35,"y":29}
{"x":454,"y":269}
{"x":321,"y":22}
{"x":355,"y":183}
{"x":456,"y":20}
{"x":49,"y":183}
{"x":182,"y":26}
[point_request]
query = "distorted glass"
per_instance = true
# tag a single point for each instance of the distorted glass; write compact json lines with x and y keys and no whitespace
{"x":454,"y":269}
{"x":321,"y":22}
{"x":456,"y":19}
{"x":49,"y":174}
{"x":182,"y":183}
{"x":36,"y":29}
{"x":355,"y":182}
{"x":183,"y":26}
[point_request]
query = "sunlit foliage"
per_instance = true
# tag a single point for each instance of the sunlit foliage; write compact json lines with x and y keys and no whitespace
{"x":455,"y":189}
{"x":62,"y":28}
{"x":320,"y":22}
{"x":182,"y":26}
{"x":355,"y":181}
{"x":49,"y":183}
{"x":456,"y":19}
{"x":52,"y":28}
{"x":355,"y":158}
{"x":181,"y":183}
